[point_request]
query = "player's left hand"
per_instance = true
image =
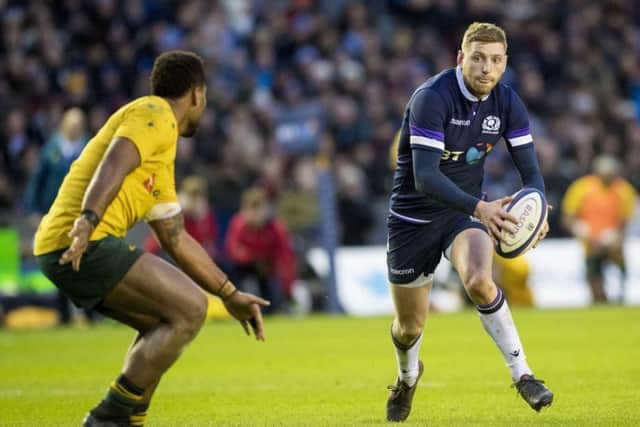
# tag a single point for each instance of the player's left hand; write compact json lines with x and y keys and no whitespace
{"x":496,"y":218}
{"x":245,"y":308}
{"x":79,"y":234}
{"x":544,"y":230}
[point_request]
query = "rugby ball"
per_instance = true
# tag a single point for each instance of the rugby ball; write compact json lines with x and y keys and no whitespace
{"x":530,"y":207}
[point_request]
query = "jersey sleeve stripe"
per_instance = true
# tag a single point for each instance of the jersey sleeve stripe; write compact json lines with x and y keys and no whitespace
{"x":162,"y":211}
{"x":519,"y":132}
{"x":520,"y":140}
{"x":428,"y":133}
{"x":426,"y":142}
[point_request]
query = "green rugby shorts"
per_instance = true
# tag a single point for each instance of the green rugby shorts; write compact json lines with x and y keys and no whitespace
{"x":102,"y":267}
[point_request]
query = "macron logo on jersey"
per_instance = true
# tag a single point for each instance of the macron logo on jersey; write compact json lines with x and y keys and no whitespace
{"x":460,"y":122}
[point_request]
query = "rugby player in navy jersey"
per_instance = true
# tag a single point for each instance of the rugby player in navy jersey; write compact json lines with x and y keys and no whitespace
{"x":451,"y":123}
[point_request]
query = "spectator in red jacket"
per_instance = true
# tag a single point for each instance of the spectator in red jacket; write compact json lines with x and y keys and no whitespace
{"x":260,"y":249}
{"x":199,"y":217}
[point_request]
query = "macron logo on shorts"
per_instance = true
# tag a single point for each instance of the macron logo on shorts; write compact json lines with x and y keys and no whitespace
{"x":403,"y":271}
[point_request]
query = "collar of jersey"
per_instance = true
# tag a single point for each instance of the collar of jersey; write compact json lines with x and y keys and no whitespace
{"x":463,"y":88}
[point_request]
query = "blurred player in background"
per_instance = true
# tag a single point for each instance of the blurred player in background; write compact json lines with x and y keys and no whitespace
{"x":125,"y":174}
{"x":512,"y":276}
{"x":259,"y":247}
{"x":54,"y":163}
{"x":596,"y":209}
{"x":60,"y":151}
{"x":451,"y":123}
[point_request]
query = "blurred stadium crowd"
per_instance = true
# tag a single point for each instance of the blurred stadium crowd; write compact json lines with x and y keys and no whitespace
{"x":292,"y":81}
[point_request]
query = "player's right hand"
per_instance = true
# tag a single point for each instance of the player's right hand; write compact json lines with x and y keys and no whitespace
{"x":496,"y":218}
{"x":245,"y":308}
{"x":79,"y":234}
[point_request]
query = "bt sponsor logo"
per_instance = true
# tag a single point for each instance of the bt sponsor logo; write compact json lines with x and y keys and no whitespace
{"x":471,"y":156}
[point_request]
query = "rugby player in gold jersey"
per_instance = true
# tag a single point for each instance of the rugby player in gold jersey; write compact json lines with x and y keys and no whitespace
{"x":126,"y":174}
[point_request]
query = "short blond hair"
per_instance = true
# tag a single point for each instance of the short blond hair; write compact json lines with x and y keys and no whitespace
{"x":483,"y":32}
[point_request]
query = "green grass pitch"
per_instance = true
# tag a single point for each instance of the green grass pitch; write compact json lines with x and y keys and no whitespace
{"x":333,"y":371}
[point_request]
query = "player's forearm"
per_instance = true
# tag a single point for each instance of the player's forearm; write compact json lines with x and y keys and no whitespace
{"x":431,"y":181}
{"x":102,"y":189}
{"x":121,"y":158}
{"x":527,"y":164}
{"x":196,"y":263}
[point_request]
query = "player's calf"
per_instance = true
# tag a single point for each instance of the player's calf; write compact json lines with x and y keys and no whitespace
{"x":406,"y":332}
{"x":480,"y":287}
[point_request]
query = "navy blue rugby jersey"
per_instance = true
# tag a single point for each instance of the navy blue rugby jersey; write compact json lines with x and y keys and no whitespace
{"x":443,"y":116}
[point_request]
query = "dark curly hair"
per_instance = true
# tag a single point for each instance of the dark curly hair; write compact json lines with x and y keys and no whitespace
{"x":175,"y":72}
